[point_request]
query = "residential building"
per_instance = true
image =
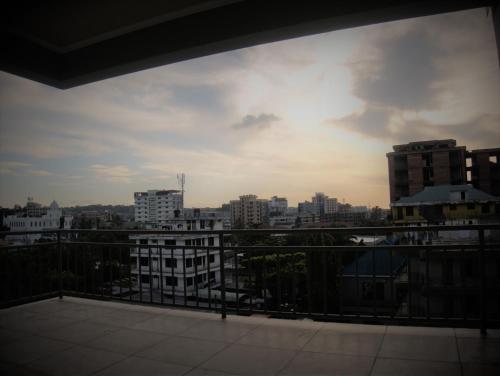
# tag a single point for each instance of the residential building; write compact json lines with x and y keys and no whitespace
{"x":306,"y":207}
{"x":277,"y":206}
{"x":446,"y":204}
{"x":416,"y":165}
{"x":331,"y":205}
{"x":177,"y":271}
{"x":483,"y":170}
{"x":207,"y":214}
{"x":249,"y":211}
{"x":318,"y":202}
{"x":156,"y":207}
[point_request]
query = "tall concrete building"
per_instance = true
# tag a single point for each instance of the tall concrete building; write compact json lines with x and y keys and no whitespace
{"x":416,"y":165}
{"x":249,"y":210}
{"x":156,"y":207}
{"x":278,"y":205}
{"x":483,"y":170}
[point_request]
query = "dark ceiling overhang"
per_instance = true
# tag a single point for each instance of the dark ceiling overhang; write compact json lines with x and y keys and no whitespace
{"x":70,"y":43}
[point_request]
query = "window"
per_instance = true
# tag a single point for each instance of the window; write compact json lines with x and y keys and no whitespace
{"x":170,"y":242}
{"x":171,"y":263}
{"x":145,"y":278}
{"x":202,"y":224}
{"x":143,"y":241}
{"x":189,"y":281}
{"x":198,"y":260}
{"x":471,"y":206}
{"x":462,"y":195}
{"x":485,"y":208}
{"x":409,"y":211}
{"x":189,"y":262}
{"x":211,"y":241}
{"x":399,"y":213}
{"x":453,"y":207}
{"x":199,"y":278}
{"x":188,"y":241}
{"x":212,"y":276}
{"x":212,"y":259}
{"x":144,"y":261}
{"x":171,"y":281}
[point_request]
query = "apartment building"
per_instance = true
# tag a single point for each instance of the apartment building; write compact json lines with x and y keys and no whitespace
{"x":159,"y":264}
{"x":416,"y":165}
{"x":155,"y":208}
{"x":249,"y":211}
{"x":483,"y":170}
{"x":278,"y":206}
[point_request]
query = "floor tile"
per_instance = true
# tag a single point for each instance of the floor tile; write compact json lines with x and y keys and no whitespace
{"x":7,"y":335}
{"x":166,"y":324}
{"x":405,"y":367}
{"x":278,"y":337}
{"x":479,"y":350}
{"x":308,"y":363}
{"x":249,"y":360}
{"x":329,"y":341}
{"x":17,"y":370}
{"x":76,"y":361}
{"x":421,"y":331}
{"x":135,"y":366}
{"x":80,"y":332}
{"x":218,"y":330}
{"x":126,"y":341}
{"x":354,"y":328}
{"x":476,"y":333}
{"x":122,"y":319}
{"x":478,"y":369}
{"x":208,"y":372}
{"x":419,"y":348}
{"x":182,"y":350}
{"x":30,"y":348}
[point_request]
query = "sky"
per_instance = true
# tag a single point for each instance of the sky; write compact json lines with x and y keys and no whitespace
{"x":291,"y":118}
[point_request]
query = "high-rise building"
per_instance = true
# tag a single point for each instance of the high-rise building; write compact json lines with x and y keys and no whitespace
{"x":331,"y":205}
{"x":318,"y":201}
{"x":483,"y":170}
{"x":416,"y":165}
{"x":156,"y":207}
{"x":277,"y":206}
{"x":249,"y":210}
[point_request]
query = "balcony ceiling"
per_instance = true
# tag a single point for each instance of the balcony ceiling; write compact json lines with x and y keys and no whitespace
{"x":68,"y":43}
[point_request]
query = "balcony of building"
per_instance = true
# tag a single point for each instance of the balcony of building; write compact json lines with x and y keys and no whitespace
{"x":410,"y":304}
{"x":74,"y":336}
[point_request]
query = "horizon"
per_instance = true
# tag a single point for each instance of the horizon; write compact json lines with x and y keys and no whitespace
{"x":290,"y":118}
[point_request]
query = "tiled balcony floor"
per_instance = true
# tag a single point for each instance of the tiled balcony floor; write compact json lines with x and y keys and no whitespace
{"x":86,"y":337}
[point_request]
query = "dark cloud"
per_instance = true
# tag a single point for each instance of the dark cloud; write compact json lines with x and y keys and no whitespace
{"x":399,"y":71}
{"x":256,"y":122}
{"x":481,"y":131}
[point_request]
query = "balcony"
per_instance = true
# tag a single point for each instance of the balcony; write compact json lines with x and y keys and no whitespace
{"x":82,"y":336}
{"x":433,"y":307}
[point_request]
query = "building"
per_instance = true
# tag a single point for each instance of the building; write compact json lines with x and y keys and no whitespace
{"x":207,"y":214}
{"x":483,"y":170}
{"x":161,"y":266}
{"x":306,"y":207}
{"x":446,"y":204}
{"x":34,"y":209}
{"x":249,"y":211}
{"x":155,"y":208}
{"x":278,"y":206}
{"x":51,"y":219}
{"x":331,"y":205}
{"x":416,"y":165}
{"x":318,"y":202}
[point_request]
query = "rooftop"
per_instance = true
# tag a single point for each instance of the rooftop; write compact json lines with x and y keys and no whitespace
{"x":79,"y":336}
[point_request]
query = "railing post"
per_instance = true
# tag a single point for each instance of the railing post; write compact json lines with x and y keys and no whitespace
{"x":482,"y":277}
{"x":59,"y":264}
{"x":222,"y":276}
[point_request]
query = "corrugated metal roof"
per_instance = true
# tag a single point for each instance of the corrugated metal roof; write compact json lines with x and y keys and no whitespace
{"x":444,"y":194}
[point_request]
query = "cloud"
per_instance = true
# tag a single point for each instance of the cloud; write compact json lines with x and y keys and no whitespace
{"x":12,"y":167}
{"x":113,"y":173}
{"x":256,"y":122}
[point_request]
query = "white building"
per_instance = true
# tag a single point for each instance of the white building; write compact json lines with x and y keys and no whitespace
{"x":331,"y":205}
{"x":24,"y":222}
{"x":156,"y":207}
{"x":278,"y":205}
{"x":249,"y":210}
{"x":177,"y":271}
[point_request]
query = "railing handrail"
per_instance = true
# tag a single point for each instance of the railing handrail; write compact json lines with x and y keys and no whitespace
{"x":338,"y":230}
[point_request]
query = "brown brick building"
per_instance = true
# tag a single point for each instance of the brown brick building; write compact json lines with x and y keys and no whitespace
{"x":483,"y":170}
{"x":416,"y":165}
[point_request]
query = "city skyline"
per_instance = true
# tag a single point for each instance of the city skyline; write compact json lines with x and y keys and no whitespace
{"x":313,"y":114}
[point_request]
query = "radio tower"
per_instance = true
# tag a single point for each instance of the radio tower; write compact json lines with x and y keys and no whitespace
{"x":181,"y":180}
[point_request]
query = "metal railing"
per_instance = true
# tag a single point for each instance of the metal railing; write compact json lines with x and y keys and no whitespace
{"x":317,"y":273}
